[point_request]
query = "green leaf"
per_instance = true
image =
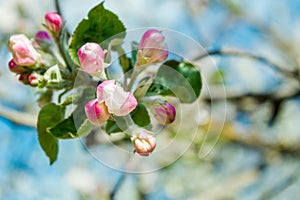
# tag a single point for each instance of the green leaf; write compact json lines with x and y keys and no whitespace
{"x":49,"y":115}
{"x":85,"y":94}
{"x":134,"y":50}
{"x":112,"y":127}
{"x":63,"y":42}
{"x":140,"y":115}
{"x":85,"y":128}
{"x":65,"y":129}
{"x":100,"y":26}
{"x":179,"y":79}
{"x":143,"y":87}
{"x":69,"y":128}
{"x":123,"y":60}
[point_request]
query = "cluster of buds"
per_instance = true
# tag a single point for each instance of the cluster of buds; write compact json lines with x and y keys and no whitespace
{"x":27,"y":61}
{"x":113,"y":100}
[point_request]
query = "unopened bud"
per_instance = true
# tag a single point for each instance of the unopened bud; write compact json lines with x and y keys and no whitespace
{"x":33,"y":80}
{"x":118,"y":101}
{"x":54,"y":22}
{"x":144,"y":143}
{"x":24,"y":78}
{"x":22,"y":50}
{"x":43,"y":39}
{"x":152,"y":48}
{"x":165,"y":113}
{"x":96,"y":111}
{"x":13,"y":67}
{"x":91,"y":57}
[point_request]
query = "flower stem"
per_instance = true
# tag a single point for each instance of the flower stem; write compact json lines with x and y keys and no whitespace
{"x":133,"y":77}
{"x":129,"y":123}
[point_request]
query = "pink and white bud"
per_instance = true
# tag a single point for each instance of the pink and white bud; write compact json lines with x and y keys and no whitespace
{"x":43,"y":39}
{"x":165,"y":113}
{"x":91,"y":57}
{"x":144,"y":143}
{"x":54,"y":22}
{"x":22,"y":50}
{"x":118,"y":102}
{"x":152,"y":48}
{"x":33,"y":80}
{"x":13,"y":67}
{"x":96,"y":111}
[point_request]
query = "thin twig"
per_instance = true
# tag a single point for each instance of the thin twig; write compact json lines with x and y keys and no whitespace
{"x":117,"y":186}
{"x":232,"y":52}
{"x":57,"y":7}
{"x":131,"y":164}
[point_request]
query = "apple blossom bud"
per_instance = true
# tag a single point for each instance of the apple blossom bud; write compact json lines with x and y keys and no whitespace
{"x":144,"y":143}
{"x":165,"y":113}
{"x":91,"y":57}
{"x":13,"y":67}
{"x":96,"y":111}
{"x":23,"y":52}
{"x":118,"y":102}
{"x":24,"y":78}
{"x":152,"y":48}
{"x":54,"y":22}
{"x":33,"y":80}
{"x":43,"y":39}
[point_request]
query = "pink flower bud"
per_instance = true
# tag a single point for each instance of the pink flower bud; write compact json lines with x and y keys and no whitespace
{"x":13,"y":67}
{"x":165,"y":113}
{"x":33,"y":80}
{"x":144,"y":143}
{"x":118,"y":102}
{"x":23,"y":52}
{"x":96,"y":111}
{"x":152,"y":48}
{"x":91,"y":57}
{"x":43,"y":39}
{"x":54,"y":22}
{"x":24,"y":78}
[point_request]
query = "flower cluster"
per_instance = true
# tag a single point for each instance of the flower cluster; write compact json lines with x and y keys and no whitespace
{"x":54,"y":60}
{"x":113,"y":100}
{"x":27,"y":61}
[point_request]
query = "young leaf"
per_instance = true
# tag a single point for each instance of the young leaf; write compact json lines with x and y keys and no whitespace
{"x":143,"y":87}
{"x":140,"y":115}
{"x":49,"y":115}
{"x":65,"y":129}
{"x":100,"y":26}
{"x":112,"y":127}
{"x":85,"y":128}
{"x":174,"y":78}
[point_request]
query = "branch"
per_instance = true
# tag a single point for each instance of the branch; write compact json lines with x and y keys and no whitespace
{"x":255,"y":142}
{"x":18,"y":117}
{"x":57,"y":7}
{"x":117,"y":186}
{"x":232,"y":52}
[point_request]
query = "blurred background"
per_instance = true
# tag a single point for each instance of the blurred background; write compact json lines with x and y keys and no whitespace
{"x":255,"y":46}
